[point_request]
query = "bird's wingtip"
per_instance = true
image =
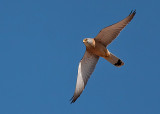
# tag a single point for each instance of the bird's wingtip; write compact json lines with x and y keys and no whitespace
{"x":72,"y":100}
{"x":133,"y":12}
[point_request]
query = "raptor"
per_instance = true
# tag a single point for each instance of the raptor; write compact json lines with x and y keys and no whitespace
{"x":95,"y":48}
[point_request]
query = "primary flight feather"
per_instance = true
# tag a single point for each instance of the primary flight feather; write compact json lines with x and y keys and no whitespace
{"x":96,"y":48}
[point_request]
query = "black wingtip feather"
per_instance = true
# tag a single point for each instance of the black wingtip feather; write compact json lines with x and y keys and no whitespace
{"x":133,"y":12}
{"x":72,"y":100}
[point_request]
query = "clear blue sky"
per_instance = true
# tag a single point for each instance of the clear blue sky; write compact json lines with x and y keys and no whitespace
{"x":41,"y":46}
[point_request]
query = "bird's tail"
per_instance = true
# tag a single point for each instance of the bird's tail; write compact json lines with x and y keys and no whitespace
{"x":114,"y":60}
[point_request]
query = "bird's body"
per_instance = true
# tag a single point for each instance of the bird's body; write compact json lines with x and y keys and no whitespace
{"x":95,"y":48}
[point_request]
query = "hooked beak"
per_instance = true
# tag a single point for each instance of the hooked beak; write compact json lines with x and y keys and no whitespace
{"x":85,"y":40}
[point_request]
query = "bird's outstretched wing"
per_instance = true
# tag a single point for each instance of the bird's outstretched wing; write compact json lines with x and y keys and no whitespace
{"x":109,"y":33}
{"x":85,"y":69}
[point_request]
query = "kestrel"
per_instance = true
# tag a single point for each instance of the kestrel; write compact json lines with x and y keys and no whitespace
{"x":95,"y":48}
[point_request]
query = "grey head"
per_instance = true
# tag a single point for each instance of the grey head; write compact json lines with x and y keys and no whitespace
{"x":88,"y":41}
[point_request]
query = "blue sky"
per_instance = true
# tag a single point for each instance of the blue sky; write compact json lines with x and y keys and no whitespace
{"x":41,"y":46}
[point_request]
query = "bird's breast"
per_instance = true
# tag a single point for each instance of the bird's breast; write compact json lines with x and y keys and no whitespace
{"x":98,"y":49}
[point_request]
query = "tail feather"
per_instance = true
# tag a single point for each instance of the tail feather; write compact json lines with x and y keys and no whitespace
{"x":114,"y":60}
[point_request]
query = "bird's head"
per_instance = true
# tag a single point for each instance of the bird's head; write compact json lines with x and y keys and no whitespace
{"x":89,"y":42}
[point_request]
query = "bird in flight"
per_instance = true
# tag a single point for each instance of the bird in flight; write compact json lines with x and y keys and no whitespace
{"x":95,"y":48}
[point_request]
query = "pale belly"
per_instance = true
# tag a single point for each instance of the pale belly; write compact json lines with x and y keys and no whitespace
{"x":98,"y":50}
